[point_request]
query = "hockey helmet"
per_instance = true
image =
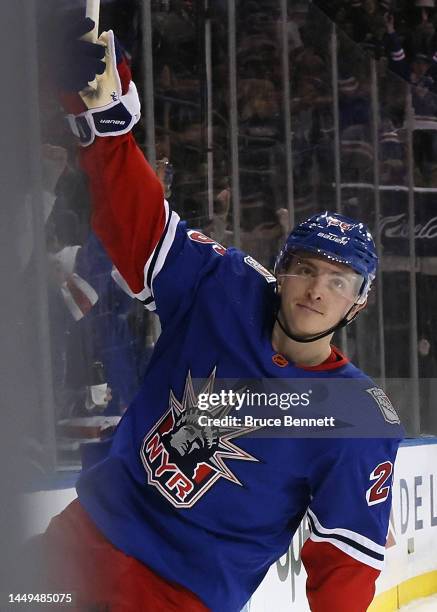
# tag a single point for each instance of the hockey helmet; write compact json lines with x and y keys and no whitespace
{"x":338,"y":238}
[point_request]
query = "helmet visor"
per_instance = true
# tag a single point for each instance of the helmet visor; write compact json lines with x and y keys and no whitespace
{"x":340,"y":280}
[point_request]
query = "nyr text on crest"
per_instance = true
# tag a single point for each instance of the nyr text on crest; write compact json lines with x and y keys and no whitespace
{"x":184,"y":459}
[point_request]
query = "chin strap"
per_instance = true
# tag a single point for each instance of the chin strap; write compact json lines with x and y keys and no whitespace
{"x":344,"y":321}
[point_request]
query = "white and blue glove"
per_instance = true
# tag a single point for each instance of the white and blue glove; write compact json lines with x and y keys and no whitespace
{"x":113,"y":107}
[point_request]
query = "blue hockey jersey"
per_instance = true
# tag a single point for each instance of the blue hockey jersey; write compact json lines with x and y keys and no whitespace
{"x":211,"y":508}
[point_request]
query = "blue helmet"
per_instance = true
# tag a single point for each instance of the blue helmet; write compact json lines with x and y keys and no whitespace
{"x":335,"y":237}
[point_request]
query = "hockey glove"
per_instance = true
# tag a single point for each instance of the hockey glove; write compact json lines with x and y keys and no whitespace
{"x":114,"y":107}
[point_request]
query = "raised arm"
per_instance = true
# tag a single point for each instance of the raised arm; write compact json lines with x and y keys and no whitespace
{"x":397,"y":61}
{"x":129,"y":213}
{"x":157,"y":260}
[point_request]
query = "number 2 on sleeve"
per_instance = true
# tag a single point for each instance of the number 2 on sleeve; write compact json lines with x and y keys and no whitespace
{"x":378,"y":493}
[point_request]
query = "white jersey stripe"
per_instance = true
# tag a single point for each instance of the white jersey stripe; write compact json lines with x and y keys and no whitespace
{"x":353,"y":544}
{"x":350,"y":550}
{"x":154,"y":263}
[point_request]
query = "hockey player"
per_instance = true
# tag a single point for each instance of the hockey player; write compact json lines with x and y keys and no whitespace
{"x":181,"y":516}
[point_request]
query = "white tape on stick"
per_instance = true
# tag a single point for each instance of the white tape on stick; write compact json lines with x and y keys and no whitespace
{"x":93,"y":12}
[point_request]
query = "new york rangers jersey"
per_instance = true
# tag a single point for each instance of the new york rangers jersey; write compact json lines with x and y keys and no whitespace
{"x":207,"y":507}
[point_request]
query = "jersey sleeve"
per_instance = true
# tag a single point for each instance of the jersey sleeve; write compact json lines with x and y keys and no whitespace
{"x":397,"y":61}
{"x":349,"y":519}
{"x":335,"y":579}
{"x":129,"y":215}
{"x":156,"y":258}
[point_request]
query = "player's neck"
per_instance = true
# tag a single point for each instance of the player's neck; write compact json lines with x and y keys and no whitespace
{"x":301,"y":353}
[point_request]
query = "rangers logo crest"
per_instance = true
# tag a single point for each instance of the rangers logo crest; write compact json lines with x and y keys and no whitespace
{"x":183,"y":459}
{"x":385,"y":405}
{"x":345,"y":227}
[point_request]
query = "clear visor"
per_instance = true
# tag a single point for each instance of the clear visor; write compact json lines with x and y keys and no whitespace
{"x":307,"y":273}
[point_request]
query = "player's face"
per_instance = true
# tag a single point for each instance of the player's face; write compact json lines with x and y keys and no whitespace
{"x":316,"y":293}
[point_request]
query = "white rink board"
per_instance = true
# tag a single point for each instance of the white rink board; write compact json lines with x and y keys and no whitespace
{"x":283,"y":589}
{"x":413,"y":527}
{"x":414,"y":517}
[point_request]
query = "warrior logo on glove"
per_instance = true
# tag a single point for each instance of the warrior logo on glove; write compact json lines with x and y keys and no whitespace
{"x":184,"y":459}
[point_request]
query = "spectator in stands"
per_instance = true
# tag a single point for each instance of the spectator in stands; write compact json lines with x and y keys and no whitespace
{"x":421,"y":38}
{"x":354,"y":104}
{"x":421,"y":71}
{"x":361,"y":20}
{"x":392,"y":158}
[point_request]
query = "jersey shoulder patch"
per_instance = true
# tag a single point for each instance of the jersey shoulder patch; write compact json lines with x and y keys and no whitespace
{"x":385,"y":405}
{"x":250,"y":261}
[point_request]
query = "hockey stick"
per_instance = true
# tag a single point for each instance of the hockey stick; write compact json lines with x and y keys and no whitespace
{"x":93,"y":12}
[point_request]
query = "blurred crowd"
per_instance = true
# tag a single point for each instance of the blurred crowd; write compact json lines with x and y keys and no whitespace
{"x":364,"y":21}
{"x":402,"y":35}
{"x":100,"y":338}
